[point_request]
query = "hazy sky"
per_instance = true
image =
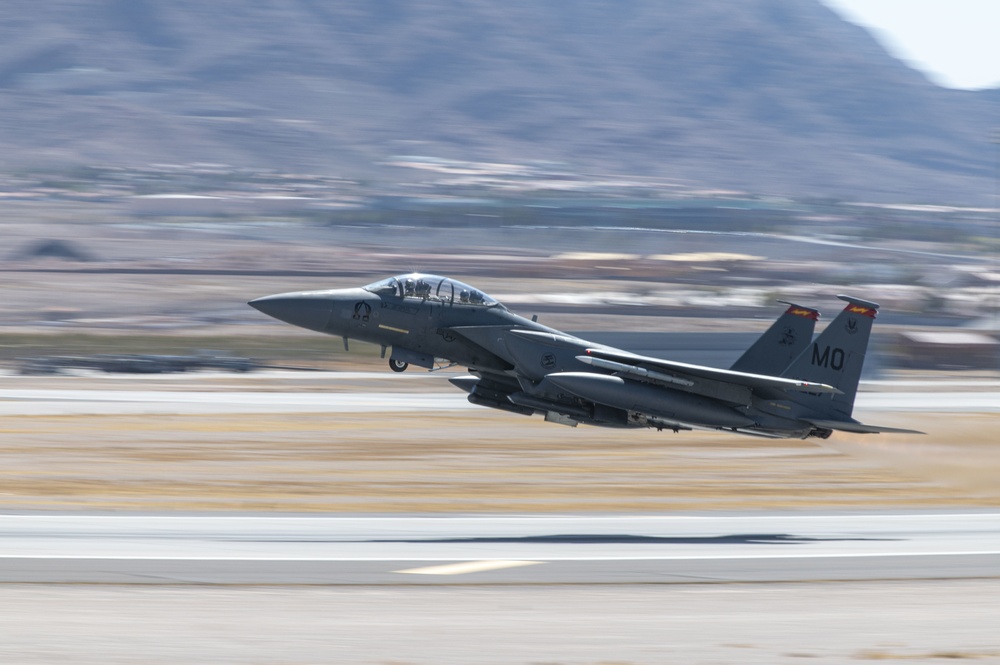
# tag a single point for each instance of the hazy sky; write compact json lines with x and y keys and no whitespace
{"x":956,"y":43}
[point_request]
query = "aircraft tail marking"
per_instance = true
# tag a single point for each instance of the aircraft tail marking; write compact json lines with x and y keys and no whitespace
{"x":836,"y":358}
{"x":780,"y":344}
{"x":805,"y":312}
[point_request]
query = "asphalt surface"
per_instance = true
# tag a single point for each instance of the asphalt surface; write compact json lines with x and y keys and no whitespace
{"x":579,"y":549}
{"x":102,"y":401}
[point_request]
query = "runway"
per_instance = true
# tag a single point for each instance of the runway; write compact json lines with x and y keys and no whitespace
{"x":62,"y":401}
{"x":754,"y":586}
{"x":508,"y":549}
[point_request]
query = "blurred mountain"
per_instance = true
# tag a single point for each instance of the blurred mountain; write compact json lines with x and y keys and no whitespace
{"x":771,"y":96}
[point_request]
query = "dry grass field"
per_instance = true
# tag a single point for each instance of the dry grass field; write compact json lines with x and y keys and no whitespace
{"x":478,"y":461}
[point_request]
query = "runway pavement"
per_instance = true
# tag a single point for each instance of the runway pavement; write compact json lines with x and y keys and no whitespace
{"x":508,"y":549}
{"x":438,"y":396}
{"x":110,"y":589}
{"x":498,"y":549}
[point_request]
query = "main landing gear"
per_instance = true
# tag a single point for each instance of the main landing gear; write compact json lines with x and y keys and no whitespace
{"x":397,"y":365}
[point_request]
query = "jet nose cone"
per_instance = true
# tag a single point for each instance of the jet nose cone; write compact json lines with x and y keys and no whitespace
{"x":306,"y":310}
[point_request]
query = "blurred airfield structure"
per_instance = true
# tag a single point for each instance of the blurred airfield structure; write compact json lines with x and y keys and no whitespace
{"x":172,"y":278}
{"x":137,"y":363}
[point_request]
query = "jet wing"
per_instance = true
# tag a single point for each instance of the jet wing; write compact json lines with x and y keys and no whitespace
{"x":724,"y":384}
{"x":491,"y":337}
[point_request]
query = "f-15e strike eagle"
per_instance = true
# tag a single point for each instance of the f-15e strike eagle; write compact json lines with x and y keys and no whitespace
{"x":786,"y":385}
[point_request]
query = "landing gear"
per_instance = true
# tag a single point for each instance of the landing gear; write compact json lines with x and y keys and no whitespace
{"x":397,"y":365}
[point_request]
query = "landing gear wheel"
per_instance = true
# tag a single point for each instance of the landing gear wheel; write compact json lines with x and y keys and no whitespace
{"x":397,"y":365}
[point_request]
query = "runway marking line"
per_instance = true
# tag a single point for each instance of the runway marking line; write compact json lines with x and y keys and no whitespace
{"x":467,"y":567}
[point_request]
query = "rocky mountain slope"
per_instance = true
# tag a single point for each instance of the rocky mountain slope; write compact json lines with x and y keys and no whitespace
{"x":771,"y":96}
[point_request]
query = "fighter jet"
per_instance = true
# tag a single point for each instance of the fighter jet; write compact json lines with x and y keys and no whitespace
{"x":787,"y":385}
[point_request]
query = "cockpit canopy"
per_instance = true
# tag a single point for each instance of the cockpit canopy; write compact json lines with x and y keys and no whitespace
{"x":431,"y":287}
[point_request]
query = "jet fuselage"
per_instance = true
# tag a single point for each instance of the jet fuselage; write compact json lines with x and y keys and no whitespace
{"x":785,"y":385}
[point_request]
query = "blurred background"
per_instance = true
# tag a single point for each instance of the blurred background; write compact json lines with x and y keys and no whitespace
{"x":162,"y":163}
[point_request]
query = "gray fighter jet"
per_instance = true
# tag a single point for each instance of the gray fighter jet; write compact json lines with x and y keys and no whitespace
{"x":785,"y":385}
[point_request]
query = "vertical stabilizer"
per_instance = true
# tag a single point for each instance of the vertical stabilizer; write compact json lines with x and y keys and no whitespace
{"x":780,"y":344}
{"x":836,"y":358}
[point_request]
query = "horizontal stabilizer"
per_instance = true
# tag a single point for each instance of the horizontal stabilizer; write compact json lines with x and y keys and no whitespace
{"x":860,"y":428}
